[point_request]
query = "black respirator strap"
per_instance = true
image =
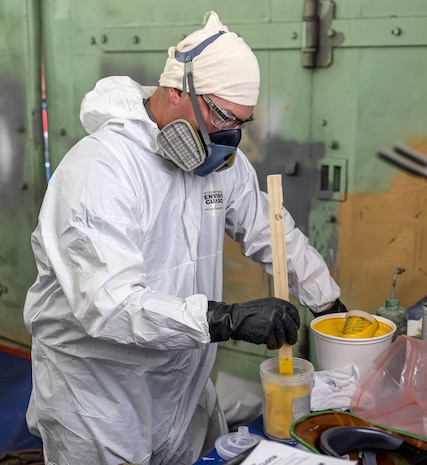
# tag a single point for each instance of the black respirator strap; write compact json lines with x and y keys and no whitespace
{"x":198,"y":113}
{"x":187,"y":59}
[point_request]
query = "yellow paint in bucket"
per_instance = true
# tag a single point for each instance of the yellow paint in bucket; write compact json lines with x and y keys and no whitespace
{"x":334,"y":327}
{"x":286,"y":398}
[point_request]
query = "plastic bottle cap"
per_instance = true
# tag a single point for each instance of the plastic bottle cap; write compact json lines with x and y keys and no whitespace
{"x":230,"y":445}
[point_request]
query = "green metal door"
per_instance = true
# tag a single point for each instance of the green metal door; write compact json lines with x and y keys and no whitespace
{"x":21,"y":157}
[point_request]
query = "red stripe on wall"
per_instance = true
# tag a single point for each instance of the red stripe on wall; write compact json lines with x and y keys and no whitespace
{"x":17,"y":352}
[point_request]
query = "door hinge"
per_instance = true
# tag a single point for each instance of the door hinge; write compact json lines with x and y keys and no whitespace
{"x":319,"y":35}
{"x":311,"y":33}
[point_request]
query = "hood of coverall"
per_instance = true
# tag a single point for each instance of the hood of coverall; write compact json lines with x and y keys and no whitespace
{"x":118,"y":99}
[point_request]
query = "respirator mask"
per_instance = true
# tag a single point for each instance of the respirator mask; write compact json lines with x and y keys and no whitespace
{"x":192,"y":149}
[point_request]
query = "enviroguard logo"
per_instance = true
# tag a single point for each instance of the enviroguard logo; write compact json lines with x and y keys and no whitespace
{"x":213,"y":202}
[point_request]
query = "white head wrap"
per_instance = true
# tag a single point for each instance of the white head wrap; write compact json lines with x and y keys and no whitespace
{"x":227,"y":67}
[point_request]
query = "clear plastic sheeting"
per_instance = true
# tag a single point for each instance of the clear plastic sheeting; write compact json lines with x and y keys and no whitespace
{"x":393,"y":392}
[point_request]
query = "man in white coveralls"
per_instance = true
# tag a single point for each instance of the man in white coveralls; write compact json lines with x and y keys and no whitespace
{"x":126,"y":306}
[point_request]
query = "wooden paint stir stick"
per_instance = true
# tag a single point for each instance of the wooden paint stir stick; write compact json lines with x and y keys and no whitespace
{"x":280,"y":270}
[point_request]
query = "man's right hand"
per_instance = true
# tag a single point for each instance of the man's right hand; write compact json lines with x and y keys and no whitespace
{"x":270,"y":321}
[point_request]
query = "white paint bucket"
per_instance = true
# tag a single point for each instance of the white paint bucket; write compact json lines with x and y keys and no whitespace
{"x":333,"y":351}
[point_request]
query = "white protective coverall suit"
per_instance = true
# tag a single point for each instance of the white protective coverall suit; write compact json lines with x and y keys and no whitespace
{"x":129,"y":250}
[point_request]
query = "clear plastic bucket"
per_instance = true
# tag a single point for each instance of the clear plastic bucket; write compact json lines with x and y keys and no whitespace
{"x":286,"y":397}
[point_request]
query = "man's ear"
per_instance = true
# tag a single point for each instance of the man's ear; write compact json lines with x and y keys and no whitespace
{"x":174,"y":95}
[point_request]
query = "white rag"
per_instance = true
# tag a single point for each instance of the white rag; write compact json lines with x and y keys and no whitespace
{"x":333,"y":389}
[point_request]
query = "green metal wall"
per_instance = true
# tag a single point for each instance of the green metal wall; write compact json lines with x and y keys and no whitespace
{"x":330,"y":111}
{"x":21,"y":157}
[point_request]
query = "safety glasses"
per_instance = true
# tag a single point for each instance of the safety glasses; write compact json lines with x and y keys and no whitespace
{"x":223,"y":119}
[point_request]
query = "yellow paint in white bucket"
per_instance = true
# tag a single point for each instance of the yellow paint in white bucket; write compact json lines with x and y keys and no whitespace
{"x":335,"y":351}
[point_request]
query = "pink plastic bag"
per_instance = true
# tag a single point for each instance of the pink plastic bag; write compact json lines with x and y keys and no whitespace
{"x":393,"y":392}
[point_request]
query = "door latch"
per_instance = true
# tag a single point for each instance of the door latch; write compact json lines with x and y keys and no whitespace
{"x":333,"y":179}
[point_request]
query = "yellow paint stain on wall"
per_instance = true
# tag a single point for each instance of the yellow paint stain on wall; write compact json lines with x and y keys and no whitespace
{"x":378,"y":232}
{"x":420,"y":145}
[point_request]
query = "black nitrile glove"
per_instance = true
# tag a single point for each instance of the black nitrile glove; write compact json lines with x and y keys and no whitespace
{"x":269,"y":321}
{"x":338,"y":307}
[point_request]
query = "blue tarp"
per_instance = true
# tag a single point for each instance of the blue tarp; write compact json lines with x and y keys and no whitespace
{"x":15,"y":389}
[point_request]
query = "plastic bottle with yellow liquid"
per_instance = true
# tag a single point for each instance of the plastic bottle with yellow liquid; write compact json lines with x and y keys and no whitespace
{"x":393,"y":310}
